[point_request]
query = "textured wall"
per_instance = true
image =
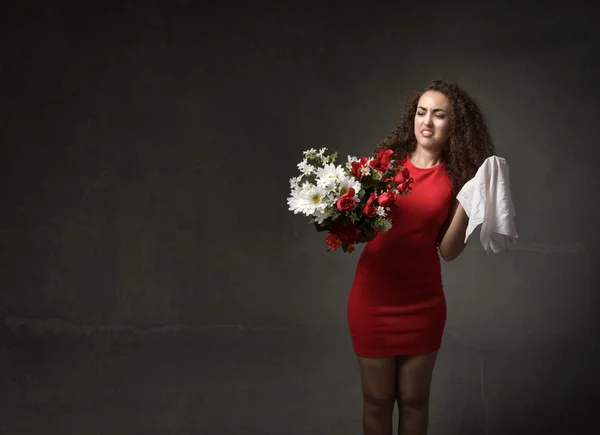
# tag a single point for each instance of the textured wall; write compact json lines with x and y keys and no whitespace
{"x":152,"y":280}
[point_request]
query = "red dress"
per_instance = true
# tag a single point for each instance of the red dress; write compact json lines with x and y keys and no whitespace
{"x":396,"y":305}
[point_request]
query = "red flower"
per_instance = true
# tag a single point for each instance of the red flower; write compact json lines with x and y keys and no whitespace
{"x":369,"y":210}
{"x":402,"y":176}
{"x":382,"y":162}
{"x":333,"y":242}
{"x":346,"y":232}
{"x":346,"y":201}
{"x":356,"y":166}
{"x":386,"y":199}
{"x":405,"y":186}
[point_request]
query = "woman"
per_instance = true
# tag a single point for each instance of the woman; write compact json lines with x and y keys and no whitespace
{"x":396,"y":307}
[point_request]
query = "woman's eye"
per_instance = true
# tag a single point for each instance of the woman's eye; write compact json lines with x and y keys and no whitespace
{"x":440,"y":116}
{"x":420,"y":113}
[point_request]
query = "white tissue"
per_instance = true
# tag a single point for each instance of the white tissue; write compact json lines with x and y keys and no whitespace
{"x":487,"y":200}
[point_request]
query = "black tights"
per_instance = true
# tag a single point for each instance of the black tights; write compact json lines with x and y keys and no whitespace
{"x":404,"y":380}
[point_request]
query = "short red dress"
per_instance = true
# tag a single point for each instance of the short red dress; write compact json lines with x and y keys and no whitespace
{"x":396,"y":304}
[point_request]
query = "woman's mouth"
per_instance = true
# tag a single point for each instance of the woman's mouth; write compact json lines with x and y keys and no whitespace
{"x":427,"y":133}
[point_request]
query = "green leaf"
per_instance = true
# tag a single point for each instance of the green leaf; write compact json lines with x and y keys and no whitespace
{"x":319,"y":227}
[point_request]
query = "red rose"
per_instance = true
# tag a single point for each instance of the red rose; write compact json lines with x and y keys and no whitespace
{"x":386,"y":199}
{"x":402,"y":176}
{"x":346,"y":201}
{"x":382,"y":162}
{"x":356,"y":166}
{"x":369,"y":210}
{"x":405,"y":186}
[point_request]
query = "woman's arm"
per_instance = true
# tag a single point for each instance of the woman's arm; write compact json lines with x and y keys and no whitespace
{"x":452,"y":236}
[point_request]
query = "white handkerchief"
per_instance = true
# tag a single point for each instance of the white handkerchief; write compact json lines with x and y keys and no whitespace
{"x":487,"y":200}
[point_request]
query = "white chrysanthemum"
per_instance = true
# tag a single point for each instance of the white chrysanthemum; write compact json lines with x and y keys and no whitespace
{"x":296,"y":202}
{"x":347,"y":182}
{"x":317,"y":197}
{"x":365,"y":170}
{"x":295,"y":182}
{"x":297,"y":199}
{"x":306,"y":187}
{"x":328,"y":175}
{"x":308,"y":199}
{"x":320,"y":216}
{"x":349,"y":162}
{"x":310,"y":151}
{"x":387,"y":225}
{"x":305,"y":167}
{"x":322,"y":151}
{"x":381,"y":211}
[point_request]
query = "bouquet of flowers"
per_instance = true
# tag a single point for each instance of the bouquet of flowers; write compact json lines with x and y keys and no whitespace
{"x":351,"y":202}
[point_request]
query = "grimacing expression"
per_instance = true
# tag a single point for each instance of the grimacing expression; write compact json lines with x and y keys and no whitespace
{"x":432,"y":121}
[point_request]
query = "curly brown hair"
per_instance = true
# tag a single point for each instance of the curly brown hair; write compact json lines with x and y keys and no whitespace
{"x":469,"y":142}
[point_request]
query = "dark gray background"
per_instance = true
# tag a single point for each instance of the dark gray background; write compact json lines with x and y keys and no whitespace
{"x":152,"y":279}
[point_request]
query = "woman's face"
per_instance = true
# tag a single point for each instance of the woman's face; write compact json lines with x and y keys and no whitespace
{"x":432,"y":122}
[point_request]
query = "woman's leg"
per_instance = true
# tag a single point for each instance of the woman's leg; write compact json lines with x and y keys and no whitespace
{"x":414,"y":373}
{"x":378,"y":380}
